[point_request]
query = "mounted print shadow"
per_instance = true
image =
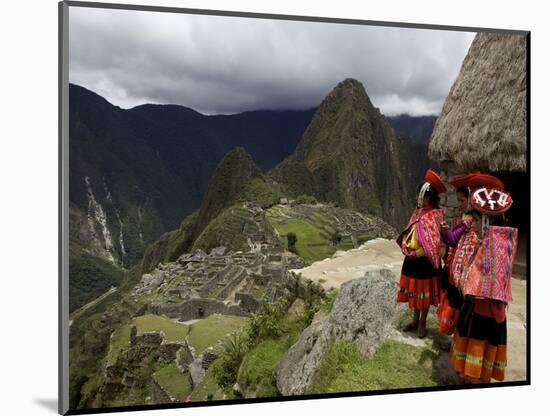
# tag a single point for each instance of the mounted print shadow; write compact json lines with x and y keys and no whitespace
{"x":275,"y":207}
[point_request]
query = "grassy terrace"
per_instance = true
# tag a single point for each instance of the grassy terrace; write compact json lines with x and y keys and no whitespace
{"x":207,"y":332}
{"x":225,"y":229}
{"x":173,"y":330}
{"x":203,"y":334}
{"x":120,"y":339}
{"x":313,"y":234}
{"x":175,"y":383}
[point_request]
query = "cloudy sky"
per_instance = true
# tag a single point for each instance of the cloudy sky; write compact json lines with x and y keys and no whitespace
{"x":227,"y":65}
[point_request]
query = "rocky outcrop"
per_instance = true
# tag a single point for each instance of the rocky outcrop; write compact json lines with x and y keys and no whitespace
{"x":196,"y":372}
{"x":365,"y":311}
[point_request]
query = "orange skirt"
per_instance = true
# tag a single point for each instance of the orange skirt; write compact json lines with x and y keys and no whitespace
{"x":419,"y":283}
{"x":418,"y":293}
{"x":479,"y":345}
{"x":478,"y":359}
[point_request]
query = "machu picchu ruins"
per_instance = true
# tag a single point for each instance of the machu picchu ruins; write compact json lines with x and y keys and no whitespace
{"x":171,"y":302}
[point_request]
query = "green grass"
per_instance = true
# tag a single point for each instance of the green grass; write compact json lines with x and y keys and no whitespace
{"x":173,"y":330}
{"x":256,"y":371}
{"x":328,"y":300}
{"x":119,"y":342}
{"x":257,"y":367}
{"x":175,"y":383}
{"x":394,"y":365}
{"x":207,"y":332}
{"x":311,"y":245}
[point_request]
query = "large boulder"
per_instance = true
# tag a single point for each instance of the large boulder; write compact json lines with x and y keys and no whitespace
{"x":196,"y":372}
{"x":365,"y":311}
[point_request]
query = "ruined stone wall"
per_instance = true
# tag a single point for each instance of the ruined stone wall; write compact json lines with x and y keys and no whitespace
{"x":210,"y":285}
{"x":168,"y":350}
{"x":232,"y":285}
{"x":247,"y":302}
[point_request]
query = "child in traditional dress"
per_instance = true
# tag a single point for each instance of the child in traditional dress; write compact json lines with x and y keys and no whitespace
{"x":481,"y":270}
{"x":451,"y":299}
{"x":420,"y":242}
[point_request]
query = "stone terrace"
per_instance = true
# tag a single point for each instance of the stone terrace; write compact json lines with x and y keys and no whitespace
{"x":350,"y":224}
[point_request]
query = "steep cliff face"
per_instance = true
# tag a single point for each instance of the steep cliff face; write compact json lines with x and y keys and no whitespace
{"x":349,"y":154}
{"x":483,"y":122}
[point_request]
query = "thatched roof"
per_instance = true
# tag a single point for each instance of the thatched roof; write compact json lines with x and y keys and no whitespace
{"x":483,"y":121}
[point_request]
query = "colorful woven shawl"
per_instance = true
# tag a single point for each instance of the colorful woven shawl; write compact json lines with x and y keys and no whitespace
{"x":489,"y":275}
{"x":428,"y":230}
{"x":463,"y":257}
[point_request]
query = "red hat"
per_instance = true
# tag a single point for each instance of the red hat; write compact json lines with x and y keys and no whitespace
{"x":483,"y":180}
{"x":462,"y":181}
{"x":435,"y":180}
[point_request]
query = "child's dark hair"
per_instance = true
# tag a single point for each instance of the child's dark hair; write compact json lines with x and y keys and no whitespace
{"x":464,"y":190}
{"x":433,"y":197}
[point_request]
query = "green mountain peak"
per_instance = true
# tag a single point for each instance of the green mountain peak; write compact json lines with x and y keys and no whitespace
{"x":350,"y":155}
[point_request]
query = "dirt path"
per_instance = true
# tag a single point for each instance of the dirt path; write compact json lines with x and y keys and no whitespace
{"x":382,"y":253}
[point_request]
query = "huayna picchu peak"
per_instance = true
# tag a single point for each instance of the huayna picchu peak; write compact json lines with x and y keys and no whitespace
{"x":350,"y":155}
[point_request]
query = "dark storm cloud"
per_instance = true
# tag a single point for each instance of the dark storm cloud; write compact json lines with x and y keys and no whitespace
{"x":226,"y":65}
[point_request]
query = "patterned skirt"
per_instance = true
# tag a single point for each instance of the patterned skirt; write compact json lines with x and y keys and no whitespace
{"x":419,"y":283}
{"x":479,"y":346}
{"x":449,"y":308}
